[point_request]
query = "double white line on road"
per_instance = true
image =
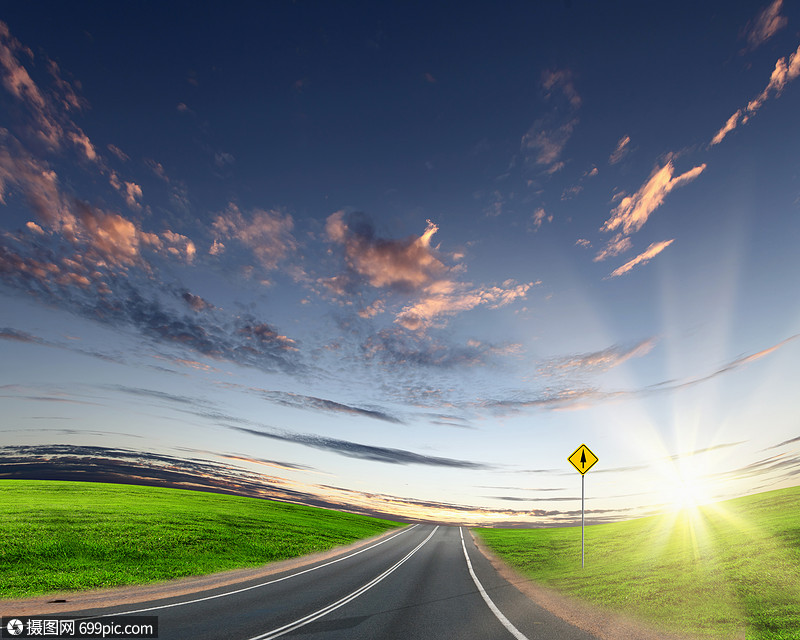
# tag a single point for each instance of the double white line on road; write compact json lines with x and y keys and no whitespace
{"x":256,"y":586}
{"x":503,"y":620}
{"x":340,"y":603}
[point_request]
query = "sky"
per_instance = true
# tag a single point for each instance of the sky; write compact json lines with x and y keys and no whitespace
{"x":404,"y":258}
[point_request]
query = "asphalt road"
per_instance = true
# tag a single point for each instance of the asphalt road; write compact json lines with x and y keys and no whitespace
{"x":424,"y":582}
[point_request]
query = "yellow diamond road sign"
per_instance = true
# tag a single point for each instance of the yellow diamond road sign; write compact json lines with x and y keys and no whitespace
{"x":582,"y":459}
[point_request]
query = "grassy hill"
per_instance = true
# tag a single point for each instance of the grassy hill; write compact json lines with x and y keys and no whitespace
{"x":59,"y":536}
{"x":717,"y":572}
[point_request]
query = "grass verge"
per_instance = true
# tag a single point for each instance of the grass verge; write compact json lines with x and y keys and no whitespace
{"x":65,"y":536}
{"x":718,"y":571}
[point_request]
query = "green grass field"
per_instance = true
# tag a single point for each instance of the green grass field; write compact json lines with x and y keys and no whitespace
{"x":59,"y":536}
{"x":731,"y":568}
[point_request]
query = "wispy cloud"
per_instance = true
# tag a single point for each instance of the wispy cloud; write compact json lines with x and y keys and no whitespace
{"x":633,"y":211}
{"x":402,"y":349}
{"x":785,"y":442}
{"x":784,"y":72}
{"x":643,"y":258}
{"x":268,"y":234}
{"x":597,"y":361}
{"x":313,"y":403}
{"x":79,"y":285}
{"x":620,"y":151}
{"x":561,"y":80}
{"x":768,"y":22}
{"x":574,"y":395}
{"x":363,"y":451}
{"x":544,"y":142}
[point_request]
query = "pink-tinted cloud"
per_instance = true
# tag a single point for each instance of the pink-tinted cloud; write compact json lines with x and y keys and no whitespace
{"x":407,"y":264}
{"x":633,"y":211}
{"x":539,"y":218}
{"x":783,"y":73}
{"x":118,"y":152}
{"x":410,"y":266}
{"x":447,"y":298}
{"x":643,"y":258}
{"x":546,"y":144}
{"x":618,"y":244}
{"x":766,"y":25}
{"x":597,"y":361}
{"x":268,"y":234}
{"x":37,"y":183}
{"x":82,"y":141}
{"x":179,"y":245}
{"x":620,"y":151}
{"x":561,"y":79}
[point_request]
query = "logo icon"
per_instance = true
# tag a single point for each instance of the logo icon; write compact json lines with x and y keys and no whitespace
{"x":14,"y":627}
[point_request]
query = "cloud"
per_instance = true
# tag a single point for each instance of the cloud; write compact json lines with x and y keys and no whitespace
{"x":82,"y":141}
{"x":572,"y":397}
{"x":7,"y":333}
{"x":196,"y":302}
{"x":268,"y":234}
{"x":561,"y":79}
{"x":410,"y":267}
{"x":363,"y":451}
{"x":300,"y":401}
{"x":126,"y":466}
{"x":446,"y":298}
{"x":545,"y":142}
{"x":643,"y":258}
{"x":118,"y":152}
{"x":400,"y":348}
{"x":633,"y":211}
{"x":766,"y":25}
{"x":785,"y":442}
{"x":78,"y":285}
{"x":620,"y":151}
{"x":783,"y":73}
{"x":618,"y":244}
{"x":406,"y":265}
{"x":583,"y":242}
{"x":597,"y":361}
{"x":539,"y":216}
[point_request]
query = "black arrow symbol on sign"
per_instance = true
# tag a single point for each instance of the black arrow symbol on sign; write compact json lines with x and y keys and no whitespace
{"x":583,"y":458}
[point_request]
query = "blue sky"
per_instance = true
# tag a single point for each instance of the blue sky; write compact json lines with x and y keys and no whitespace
{"x":403,"y":259}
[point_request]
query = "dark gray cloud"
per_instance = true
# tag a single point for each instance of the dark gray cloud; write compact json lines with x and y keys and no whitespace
{"x":396,"y":347}
{"x":52,"y":271}
{"x":299,"y":401}
{"x":784,"y":464}
{"x":363,"y":451}
{"x":784,"y":443}
{"x":7,"y":333}
{"x":124,"y":466}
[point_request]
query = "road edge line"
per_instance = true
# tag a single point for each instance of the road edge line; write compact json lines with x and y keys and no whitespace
{"x":499,"y":614}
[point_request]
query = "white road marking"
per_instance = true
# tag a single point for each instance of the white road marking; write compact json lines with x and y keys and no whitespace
{"x":503,"y":620}
{"x":255,"y":586}
{"x":340,"y":603}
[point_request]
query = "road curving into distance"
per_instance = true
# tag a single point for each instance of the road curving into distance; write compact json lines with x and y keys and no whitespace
{"x":423,"y":582}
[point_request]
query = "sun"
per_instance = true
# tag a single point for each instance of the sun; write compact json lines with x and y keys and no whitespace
{"x":687,"y":490}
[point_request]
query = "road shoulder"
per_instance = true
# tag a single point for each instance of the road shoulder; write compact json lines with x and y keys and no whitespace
{"x":603,"y":624}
